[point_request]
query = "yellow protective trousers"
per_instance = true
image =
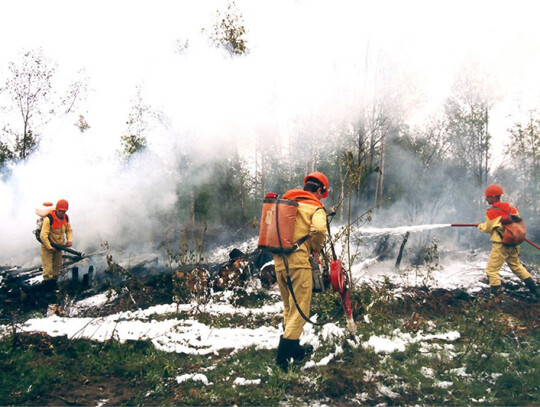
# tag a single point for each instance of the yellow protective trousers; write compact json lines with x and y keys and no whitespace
{"x":52,"y":263}
{"x":498,"y":256}
{"x":302,"y":283}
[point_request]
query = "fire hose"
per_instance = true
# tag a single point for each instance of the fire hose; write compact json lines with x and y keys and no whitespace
{"x":63,"y":248}
{"x":458,"y":225}
{"x":337,"y":277}
{"x":68,"y":250}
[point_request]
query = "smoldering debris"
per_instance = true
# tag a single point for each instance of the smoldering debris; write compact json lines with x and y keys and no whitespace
{"x":140,"y":281}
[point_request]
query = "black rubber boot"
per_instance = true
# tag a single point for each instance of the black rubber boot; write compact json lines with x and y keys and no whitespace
{"x":50,"y":285}
{"x":284,"y":353}
{"x":529,"y":283}
{"x":301,"y":352}
{"x":496,"y":290}
{"x":50,"y":290}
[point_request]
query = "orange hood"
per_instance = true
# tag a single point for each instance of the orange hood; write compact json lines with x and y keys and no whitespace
{"x":503,"y":209}
{"x":300,"y":195}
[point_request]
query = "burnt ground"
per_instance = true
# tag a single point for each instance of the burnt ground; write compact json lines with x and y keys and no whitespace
{"x":140,"y":286}
{"x":131,"y":291}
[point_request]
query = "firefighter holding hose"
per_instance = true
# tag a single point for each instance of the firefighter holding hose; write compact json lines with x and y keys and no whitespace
{"x":56,"y":229}
{"x":497,"y":216}
{"x":310,"y":221}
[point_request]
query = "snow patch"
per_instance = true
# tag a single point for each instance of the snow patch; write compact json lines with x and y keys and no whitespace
{"x":324,"y":361}
{"x":240,"y":381}
{"x":171,"y":335}
{"x":399,"y":341}
{"x":196,"y":377}
{"x":444,"y":385}
{"x":386,"y":391}
{"x":427,"y":372}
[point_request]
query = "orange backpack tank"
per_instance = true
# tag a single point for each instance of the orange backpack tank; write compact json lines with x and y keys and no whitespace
{"x":515,"y":231}
{"x":277,"y":224}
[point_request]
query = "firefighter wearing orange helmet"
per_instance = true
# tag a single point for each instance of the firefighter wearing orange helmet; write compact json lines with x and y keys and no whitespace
{"x":56,"y":229}
{"x":501,"y":253}
{"x":310,"y":220}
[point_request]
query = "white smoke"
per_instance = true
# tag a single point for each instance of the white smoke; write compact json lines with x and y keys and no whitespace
{"x":319,"y":62}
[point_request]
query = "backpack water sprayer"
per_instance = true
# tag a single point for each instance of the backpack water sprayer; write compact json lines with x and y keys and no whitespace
{"x":276,"y":235}
{"x":44,"y":211}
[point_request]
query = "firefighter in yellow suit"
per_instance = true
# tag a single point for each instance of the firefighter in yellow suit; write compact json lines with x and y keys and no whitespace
{"x":56,"y":229}
{"x":310,"y":220}
{"x":499,"y":252}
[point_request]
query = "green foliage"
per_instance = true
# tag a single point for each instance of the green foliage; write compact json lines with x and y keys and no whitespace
{"x":525,"y":151}
{"x":6,"y":154}
{"x":228,"y":30}
{"x":494,"y":362}
{"x":34,"y":101}
{"x":29,"y":85}
{"x":325,"y":305}
{"x":137,"y":125}
{"x":190,"y":247}
{"x":40,"y":366}
{"x":82,"y":124}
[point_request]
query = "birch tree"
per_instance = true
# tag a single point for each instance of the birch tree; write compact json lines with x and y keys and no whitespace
{"x":29,"y":86}
{"x":468,"y":114}
{"x":525,"y":152}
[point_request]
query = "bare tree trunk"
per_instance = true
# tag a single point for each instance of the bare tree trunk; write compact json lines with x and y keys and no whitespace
{"x":534,"y":140}
{"x":342,"y":191}
{"x":486,"y":152}
{"x":192,"y":203}
{"x":382,"y":170}
{"x":256,"y":171}
{"x":380,"y":177}
{"x":241,"y":193}
{"x":263,"y":169}
{"x":25,"y":130}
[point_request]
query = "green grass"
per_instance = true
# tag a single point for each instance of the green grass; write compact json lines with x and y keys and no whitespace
{"x":496,"y":361}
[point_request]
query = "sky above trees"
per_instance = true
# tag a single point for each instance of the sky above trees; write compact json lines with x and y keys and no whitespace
{"x":296,"y":45}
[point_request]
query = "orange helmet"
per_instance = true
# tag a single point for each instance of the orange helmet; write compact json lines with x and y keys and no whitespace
{"x":62,"y":205}
{"x":319,"y":176}
{"x":494,"y":190}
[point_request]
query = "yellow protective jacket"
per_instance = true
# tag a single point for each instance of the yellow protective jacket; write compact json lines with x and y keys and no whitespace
{"x":55,"y":232}
{"x":310,"y":220}
{"x":493,"y":224}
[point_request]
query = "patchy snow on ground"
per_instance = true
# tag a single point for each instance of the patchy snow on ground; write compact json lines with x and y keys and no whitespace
{"x":196,"y":377}
{"x":398,"y":341}
{"x":386,"y":391}
{"x":168,"y":331}
{"x":240,"y":381}
{"x":325,"y":360}
{"x":171,"y":335}
{"x":98,"y":300}
{"x":463,"y":270}
{"x":102,"y":402}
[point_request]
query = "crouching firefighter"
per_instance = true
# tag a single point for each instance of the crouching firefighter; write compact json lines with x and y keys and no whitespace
{"x":55,"y":229}
{"x":301,"y":231}
{"x":507,"y":232}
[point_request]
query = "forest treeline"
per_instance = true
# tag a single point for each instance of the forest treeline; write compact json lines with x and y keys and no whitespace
{"x":429,"y":172}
